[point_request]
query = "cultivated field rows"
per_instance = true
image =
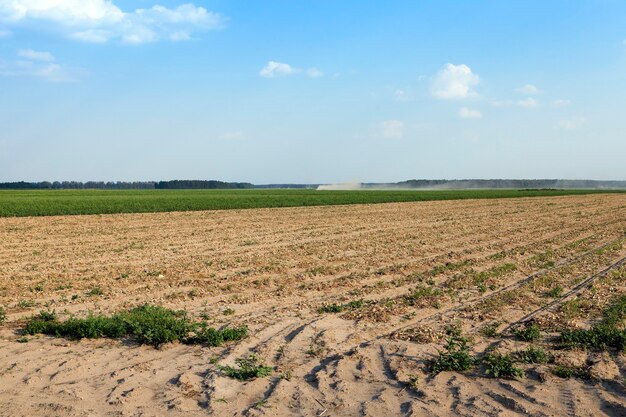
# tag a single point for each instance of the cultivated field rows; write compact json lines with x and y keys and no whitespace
{"x":402,"y":274}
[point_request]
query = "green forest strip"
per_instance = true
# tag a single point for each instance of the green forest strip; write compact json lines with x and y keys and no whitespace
{"x":76,"y":202}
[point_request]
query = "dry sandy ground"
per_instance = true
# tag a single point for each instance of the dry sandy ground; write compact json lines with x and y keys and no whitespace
{"x":275,"y":268}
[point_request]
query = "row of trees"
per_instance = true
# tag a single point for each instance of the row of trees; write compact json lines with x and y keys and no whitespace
{"x":121,"y":185}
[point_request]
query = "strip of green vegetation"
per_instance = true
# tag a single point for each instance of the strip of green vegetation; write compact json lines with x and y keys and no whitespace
{"x":609,"y":333}
{"x":151,"y":325}
{"x":69,"y":202}
{"x":338,"y":308}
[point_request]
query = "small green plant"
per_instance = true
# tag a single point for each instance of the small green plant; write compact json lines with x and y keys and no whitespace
{"x":249,"y":367}
{"x":491,"y":330}
{"x":338,"y":308}
{"x":37,"y":288}
{"x":414,"y":381}
{"x":456,"y":356}
{"x":26,"y":304}
{"x":3,"y":315}
{"x":529,"y":333}
{"x":532,"y":355}
{"x":228,"y":312}
{"x":424,"y":295}
{"x":95,"y":292}
{"x":502,"y":365}
{"x":22,"y":339}
{"x":555,"y":292}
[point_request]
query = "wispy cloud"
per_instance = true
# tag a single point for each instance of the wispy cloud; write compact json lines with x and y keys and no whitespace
{"x":466,"y":113}
{"x":101,"y":21}
{"x":391,"y":129}
{"x":560,"y":103}
{"x":402,"y":95}
{"x":38,"y":64}
{"x":275,"y":69}
{"x":314,"y":73}
{"x":35,"y":55}
{"x":573,"y":123}
{"x":454,"y":82}
{"x":529,"y":90}
{"x":528,"y":103}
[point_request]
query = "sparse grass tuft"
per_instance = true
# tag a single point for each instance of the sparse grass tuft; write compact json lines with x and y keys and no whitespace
{"x":249,"y":367}
{"x":555,"y":292}
{"x":3,"y":315}
{"x":502,"y":365}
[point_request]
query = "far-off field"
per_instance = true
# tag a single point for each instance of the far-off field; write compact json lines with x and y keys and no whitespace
{"x":496,"y":307}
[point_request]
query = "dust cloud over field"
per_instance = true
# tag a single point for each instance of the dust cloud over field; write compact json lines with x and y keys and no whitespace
{"x":349,"y":305}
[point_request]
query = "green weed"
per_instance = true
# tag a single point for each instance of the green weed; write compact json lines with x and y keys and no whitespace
{"x":249,"y":367}
{"x":502,"y":365}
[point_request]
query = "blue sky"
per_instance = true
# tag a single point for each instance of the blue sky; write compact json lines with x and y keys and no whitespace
{"x":312,"y":91}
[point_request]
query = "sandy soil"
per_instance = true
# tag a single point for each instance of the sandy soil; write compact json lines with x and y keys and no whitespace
{"x":275,"y":268}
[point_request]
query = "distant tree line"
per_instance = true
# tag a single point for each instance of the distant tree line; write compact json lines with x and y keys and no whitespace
{"x":121,"y":185}
{"x":77,"y":185}
{"x":200,"y":184}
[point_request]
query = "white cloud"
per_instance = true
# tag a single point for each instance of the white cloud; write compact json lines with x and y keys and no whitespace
{"x":277,"y":69}
{"x":529,"y":90}
{"x":465,"y":113}
{"x":392,"y":129}
{"x":560,"y":103}
{"x":35,"y":55}
{"x":100,"y":21}
{"x":528,"y":103}
{"x":314,"y":73}
{"x":572,"y":124}
{"x":454,"y":82}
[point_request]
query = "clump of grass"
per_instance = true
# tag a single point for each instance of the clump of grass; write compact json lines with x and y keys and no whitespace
{"x":151,"y":325}
{"x":22,"y":339}
{"x":456,"y":356}
{"x":502,"y":365}
{"x":228,"y":312}
{"x":3,"y":315}
{"x":532,"y":355}
{"x":338,"y":308}
{"x":529,"y":333}
{"x":609,"y":333}
{"x":555,"y":292}
{"x":249,"y":367}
